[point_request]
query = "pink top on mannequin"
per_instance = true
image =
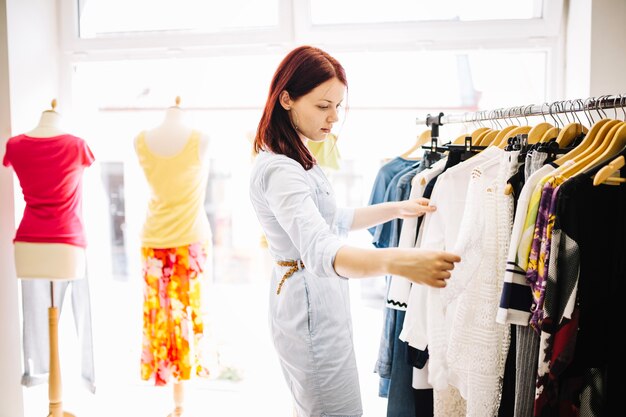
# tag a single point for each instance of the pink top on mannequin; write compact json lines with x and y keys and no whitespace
{"x":49,"y":169}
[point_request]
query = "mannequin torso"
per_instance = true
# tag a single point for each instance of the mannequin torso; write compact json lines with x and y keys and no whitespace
{"x":50,"y":261}
{"x":49,"y":125}
{"x":172,"y":134}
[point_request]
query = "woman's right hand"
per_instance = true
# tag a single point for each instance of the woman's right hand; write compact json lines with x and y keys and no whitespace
{"x":422,"y":266}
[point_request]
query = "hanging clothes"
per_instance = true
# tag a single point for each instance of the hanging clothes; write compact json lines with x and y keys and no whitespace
{"x":384,"y":184}
{"x":581,"y":371}
{"x":326,"y":152}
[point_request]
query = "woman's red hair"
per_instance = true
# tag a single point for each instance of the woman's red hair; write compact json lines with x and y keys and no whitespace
{"x":300,"y":71}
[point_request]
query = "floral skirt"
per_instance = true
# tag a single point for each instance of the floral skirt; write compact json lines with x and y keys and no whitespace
{"x":172,"y":318}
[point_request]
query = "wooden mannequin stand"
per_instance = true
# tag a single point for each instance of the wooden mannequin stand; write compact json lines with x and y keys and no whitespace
{"x":55,"y":391}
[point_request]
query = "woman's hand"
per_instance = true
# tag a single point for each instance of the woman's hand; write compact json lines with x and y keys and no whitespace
{"x":420,"y":266}
{"x":414,"y":208}
{"x":383,"y":212}
{"x":423,"y":266}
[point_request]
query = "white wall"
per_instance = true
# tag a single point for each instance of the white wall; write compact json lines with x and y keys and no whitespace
{"x":595,"y":56}
{"x":608,"y":55}
{"x":29,"y":80}
{"x":11,"y":403}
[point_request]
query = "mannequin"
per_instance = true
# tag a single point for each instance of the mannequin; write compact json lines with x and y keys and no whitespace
{"x":37,"y":260}
{"x":48,"y":250}
{"x":174,"y":159}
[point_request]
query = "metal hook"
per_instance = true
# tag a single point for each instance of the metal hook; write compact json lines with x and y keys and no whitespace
{"x":622,"y":105}
{"x":489,"y":119}
{"x":543,"y":113}
{"x":518,"y":112}
{"x":559,"y":110}
{"x":575,"y":110}
{"x":599,"y":106}
{"x":556,"y":123}
{"x":584,"y":110}
{"x":594,"y":106}
{"x":564,"y":109}
{"x":496,"y":119}
{"x":525,"y":113}
{"x":587,"y":105}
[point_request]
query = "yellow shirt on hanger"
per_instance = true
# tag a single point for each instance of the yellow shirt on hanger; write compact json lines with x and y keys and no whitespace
{"x":326,"y":152}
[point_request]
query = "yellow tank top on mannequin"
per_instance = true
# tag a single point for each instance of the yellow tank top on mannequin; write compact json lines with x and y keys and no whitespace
{"x":176,"y":215}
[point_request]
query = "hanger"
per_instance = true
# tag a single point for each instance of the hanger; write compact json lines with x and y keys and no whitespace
{"x":615,"y":143}
{"x":588,"y":144}
{"x":549,"y":134}
{"x":571,"y":131}
{"x":422,"y":138}
{"x":536,"y":133}
{"x":488,"y":138}
{"x":477,"y":133}
{"x":604,"y":146}
{"x":600,"y":142}
{"x":460,"y":140}
{"x":604,"y":175}
{"x":502,"y":137}
{"x":519,"y":130}
{"x":476,"y":141}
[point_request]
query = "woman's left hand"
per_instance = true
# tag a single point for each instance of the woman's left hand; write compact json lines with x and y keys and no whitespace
{"x":414,"y":208}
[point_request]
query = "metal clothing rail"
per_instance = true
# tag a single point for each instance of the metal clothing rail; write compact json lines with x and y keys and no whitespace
{"x":597,"y":104}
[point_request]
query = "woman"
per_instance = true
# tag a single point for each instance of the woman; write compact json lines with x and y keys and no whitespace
{"x":294,"y":202}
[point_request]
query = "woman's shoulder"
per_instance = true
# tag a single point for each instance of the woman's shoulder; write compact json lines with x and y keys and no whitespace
{"x":266,"y":159}
{"x":269,"y":167}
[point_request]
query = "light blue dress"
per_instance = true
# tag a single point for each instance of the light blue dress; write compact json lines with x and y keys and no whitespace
{"x":310,"y":319}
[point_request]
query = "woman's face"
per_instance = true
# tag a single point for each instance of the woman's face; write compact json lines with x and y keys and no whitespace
{"x":314,"y":114}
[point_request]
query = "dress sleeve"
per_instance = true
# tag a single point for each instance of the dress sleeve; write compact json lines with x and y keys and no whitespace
{"x":342,"y":223}
{"x":290,"y":198}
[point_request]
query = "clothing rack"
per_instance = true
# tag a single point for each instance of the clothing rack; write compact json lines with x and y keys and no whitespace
{"x":597,"y":104}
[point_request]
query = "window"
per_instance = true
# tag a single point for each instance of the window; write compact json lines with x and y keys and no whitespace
{"x":100,"y":18}
{"x":374,"y":11}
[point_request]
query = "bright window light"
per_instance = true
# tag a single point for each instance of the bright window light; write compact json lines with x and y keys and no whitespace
{"x":375,"y":11}
{"x":107,"y":17}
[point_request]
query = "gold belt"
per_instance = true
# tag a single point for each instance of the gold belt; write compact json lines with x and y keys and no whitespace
{"x":294,"y":266}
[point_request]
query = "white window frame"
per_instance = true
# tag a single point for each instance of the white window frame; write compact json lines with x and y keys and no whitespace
{"x":295,"y":27}
{"x":441,"y":34}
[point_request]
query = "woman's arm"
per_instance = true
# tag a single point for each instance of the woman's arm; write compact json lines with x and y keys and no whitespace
{"x":417,"y":265}
{"x":375,"y":214}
